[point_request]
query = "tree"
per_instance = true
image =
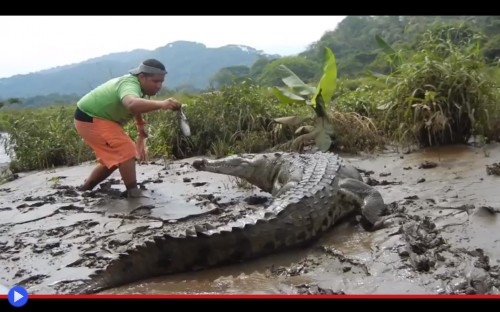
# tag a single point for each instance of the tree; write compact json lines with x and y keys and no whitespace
{"x":273,"y":73}
{"x":258,"y":67}
{"x":229,"y":75}
{"x":10,"y":101}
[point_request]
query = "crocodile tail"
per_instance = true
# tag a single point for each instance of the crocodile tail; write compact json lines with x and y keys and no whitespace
{"x":238,"y":241}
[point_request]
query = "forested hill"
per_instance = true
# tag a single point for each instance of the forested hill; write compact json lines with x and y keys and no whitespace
{"x":353,"y":41}
{"x":189,"y":64}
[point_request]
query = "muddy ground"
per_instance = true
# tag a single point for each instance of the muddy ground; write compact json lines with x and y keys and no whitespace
{"x":445,"y":240}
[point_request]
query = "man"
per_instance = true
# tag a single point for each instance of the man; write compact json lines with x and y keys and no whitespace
{"x":102,"y":113}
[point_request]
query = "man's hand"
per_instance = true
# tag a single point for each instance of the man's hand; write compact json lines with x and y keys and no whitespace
{"x":141,"y":150}
{"x":172,"y":104}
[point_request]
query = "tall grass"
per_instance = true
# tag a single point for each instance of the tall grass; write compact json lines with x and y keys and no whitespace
{"x":441,"y":95}
{"x":355,"y":132}
{"x":44,"y":138}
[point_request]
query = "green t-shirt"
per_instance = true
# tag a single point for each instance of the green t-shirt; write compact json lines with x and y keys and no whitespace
{"x":105,"y":101}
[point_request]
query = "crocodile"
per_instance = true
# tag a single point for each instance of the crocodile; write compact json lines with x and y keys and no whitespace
{"x":310,"y":193}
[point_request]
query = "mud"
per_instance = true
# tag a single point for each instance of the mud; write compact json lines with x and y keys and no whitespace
{"x":443,"y":236}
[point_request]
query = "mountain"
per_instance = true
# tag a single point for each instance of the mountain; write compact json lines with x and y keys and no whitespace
{"x":188,"y":64}
{"x":356,"y":50}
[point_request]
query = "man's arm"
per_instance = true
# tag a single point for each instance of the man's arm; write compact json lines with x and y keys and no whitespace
{"x":139,"y":121}
{"x":139,"y":105}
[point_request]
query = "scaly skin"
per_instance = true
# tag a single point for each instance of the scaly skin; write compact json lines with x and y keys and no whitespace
{"x":311,"y":192}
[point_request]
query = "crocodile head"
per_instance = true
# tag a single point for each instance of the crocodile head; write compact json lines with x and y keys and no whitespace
{"x":258,"y":169}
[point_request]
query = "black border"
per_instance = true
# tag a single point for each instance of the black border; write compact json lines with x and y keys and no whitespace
{"x":314,"y":303}
{"x":180,"y":8}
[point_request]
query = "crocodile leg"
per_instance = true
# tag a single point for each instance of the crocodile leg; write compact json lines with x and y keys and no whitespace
{"x":279,"y":190}
{"x":370,"y":200}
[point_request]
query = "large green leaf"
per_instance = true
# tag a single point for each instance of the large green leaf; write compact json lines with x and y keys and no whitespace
{"x":324,"y":133}
{"x":395,"y":59}
{"x":384,"y":46}
{"x":295,"y":83}
{"x":287,"y":97}
{"x":323,"y":141}
{"x":323,"y":124}
{"x":328,"y":81}
{"x":376,"y":75}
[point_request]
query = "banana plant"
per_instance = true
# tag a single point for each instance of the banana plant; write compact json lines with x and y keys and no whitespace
{"x":316,"y":97}
{"x":394,"y":58}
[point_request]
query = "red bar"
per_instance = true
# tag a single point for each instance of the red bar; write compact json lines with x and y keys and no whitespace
{"x":238,"y":296}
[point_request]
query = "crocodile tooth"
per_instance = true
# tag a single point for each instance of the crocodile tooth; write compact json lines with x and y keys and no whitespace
{"x":173,"y":235}
{"x":158,"y":239}
{"x":123,"y":255}
{"x":259,"y":214}
{"x":248,"y":220}
{"x":97,"y":272}
{"x":260,"y":221}
{"x":204,"y":234}
{"x":225,"y":228}
{"x":237,"y":224}
{"x":141,"y":247}
{"x":199,"y":228}
{"x":276,"y":210}
{"x":269,"y":215}
{"x":191,"y":232}
{"x":208,"y":226}
{"x":212,"y":232}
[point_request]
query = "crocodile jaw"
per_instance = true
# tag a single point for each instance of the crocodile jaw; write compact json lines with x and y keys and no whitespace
{"x":258,"y":170}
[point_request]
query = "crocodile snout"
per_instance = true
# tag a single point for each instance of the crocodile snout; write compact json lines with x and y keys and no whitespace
{"x":199,"y":163}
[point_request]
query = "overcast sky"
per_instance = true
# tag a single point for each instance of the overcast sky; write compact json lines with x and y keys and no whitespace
{"x":33,"y":43}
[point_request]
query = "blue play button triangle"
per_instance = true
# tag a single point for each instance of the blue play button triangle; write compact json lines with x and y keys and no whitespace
{"x":18,"y":296}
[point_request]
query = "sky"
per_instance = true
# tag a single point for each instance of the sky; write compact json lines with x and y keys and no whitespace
{"x":33,"y":43}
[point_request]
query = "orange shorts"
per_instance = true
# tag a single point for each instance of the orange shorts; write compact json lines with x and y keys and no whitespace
{"x":111,"y":145}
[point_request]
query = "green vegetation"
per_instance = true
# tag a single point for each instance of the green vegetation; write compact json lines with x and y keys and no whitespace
{"x":235,"y":119}
{"x":44,"y":138}
{"x":317,"y":97}
{"x":441,"y":94}
{"x":355,"y":49}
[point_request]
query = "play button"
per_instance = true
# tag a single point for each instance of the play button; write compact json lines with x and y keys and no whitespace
{"x":18,"y":296}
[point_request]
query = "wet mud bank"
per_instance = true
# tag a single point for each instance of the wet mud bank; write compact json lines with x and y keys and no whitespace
{"x":443,"y":238}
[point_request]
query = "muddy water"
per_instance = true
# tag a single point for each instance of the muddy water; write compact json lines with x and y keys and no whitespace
{"x":252,"y":277}
{"x":444,"y":243}
{"x":459,"y":178}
